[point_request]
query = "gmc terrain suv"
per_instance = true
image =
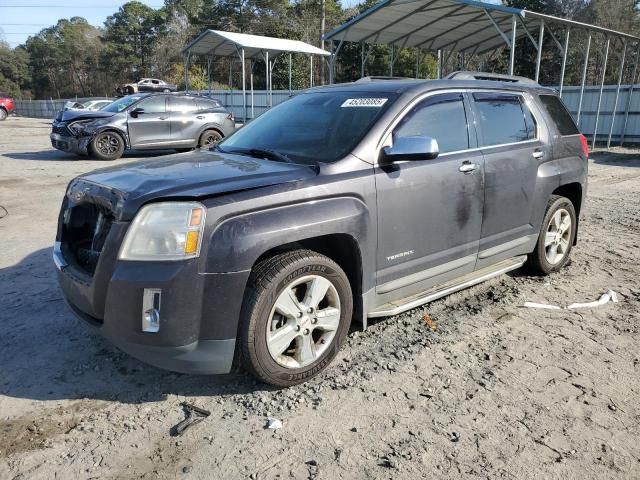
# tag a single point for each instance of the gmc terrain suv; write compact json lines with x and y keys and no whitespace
{"x":344,"y":202}
{"x":142,"y":121}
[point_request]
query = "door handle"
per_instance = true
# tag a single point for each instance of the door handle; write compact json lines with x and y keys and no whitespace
{"x":200,"y":117}
{"x":538,"y":154}
{"x":467,"y":167}
{"x":163,"y":118}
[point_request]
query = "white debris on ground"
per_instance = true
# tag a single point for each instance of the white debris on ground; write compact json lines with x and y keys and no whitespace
{"x":603,"y":300}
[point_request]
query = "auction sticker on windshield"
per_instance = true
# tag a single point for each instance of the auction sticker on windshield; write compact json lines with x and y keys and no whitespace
{"x":364,"y":102}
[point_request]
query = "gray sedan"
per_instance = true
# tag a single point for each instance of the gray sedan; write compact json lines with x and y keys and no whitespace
{"x":143,"y":121}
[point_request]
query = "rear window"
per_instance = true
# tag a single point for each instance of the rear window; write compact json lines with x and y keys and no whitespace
{"x":559,"y":114}
{"x":504,"y":119}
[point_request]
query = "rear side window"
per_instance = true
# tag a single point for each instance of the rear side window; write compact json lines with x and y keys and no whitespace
{"x":504,"y":118}
{"x":559,"y":114}
{"x":441,"y":117}
{"x":183,"y":104}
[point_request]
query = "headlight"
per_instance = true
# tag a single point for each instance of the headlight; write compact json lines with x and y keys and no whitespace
{"x":77,"y":128}
{"x":165,"y":231}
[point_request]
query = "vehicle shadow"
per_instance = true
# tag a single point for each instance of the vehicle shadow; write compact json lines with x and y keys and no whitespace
{"x":48,"y":354}
{"x":57,"y":155}
{"x":617,"y":159}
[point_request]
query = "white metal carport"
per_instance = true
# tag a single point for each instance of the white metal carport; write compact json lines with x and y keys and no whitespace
{"x":215,"y":43}
{"x":475,"y":27}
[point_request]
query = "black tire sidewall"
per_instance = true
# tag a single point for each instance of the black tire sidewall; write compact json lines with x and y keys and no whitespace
{"x":553,"y":207}
{"x":3,"y":114}
{"x":101,"y":156}
{"x":255,"y":334}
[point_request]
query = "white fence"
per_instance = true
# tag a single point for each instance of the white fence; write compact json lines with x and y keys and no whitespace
{"x":629,"y":110}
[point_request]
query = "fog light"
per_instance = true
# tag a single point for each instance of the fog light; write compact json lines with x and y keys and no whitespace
{"x":151,"y":310}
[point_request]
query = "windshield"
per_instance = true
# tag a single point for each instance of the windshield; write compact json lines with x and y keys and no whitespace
{"x":122,"y":103}
{"x":312,"y":127}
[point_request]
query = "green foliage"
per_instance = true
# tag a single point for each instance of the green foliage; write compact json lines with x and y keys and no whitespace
{"x":73,"y":58}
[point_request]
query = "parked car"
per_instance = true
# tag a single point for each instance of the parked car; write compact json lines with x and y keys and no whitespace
{"x":142,"y":121}
{"x":7,"y":105}
{"x":146,"y":85}
{"x":92,"y":105}
{"x":343,"y":203}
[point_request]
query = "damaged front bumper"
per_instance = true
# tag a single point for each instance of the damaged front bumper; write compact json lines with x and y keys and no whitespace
{"x":68,"y":143}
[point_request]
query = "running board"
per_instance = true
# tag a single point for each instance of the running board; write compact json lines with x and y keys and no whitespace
{"x":394,"y":308}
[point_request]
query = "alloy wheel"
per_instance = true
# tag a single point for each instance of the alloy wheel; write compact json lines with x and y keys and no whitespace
{"x":108,"y":144}
{"x":303,"y":321}
{"x":557,"y":236}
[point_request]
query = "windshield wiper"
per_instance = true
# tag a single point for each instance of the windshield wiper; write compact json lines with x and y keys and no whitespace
{"x":261,"y":153}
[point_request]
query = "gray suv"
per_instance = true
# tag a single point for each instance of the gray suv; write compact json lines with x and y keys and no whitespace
{"x":142,"y":121}
{"x":343,"y":203}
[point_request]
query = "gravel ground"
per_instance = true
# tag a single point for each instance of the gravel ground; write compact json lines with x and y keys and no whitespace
{"x":485,"y":389}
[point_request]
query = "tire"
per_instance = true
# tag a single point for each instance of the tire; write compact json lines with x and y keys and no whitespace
{"x":556,"y":237}
{"x":166,"y":90}
{"x":107,"y":146}
{"x":309,"y":339}
{"x":130,"y":90}
{"x":3,"y":114}
{"x":209,"y":139}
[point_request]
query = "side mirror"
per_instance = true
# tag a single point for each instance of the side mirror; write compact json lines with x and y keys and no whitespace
{"x":136,"y":111}
{"x":412,"y":148}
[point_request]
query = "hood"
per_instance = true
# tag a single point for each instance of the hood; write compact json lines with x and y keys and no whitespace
{"x":199,"y":174}
{"x":72,"y":115}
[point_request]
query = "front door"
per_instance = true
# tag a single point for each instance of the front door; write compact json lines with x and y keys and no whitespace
{"x":151,"y":127}
{"x":430,"y":211}
{"x":513,"y":149}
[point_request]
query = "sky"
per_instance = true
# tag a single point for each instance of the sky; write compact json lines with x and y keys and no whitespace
{"x":20,"y":19}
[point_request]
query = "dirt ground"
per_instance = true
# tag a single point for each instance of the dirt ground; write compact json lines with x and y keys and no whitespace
{"x":490,"y":390}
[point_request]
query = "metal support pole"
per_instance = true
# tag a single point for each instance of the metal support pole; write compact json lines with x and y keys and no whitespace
{"x":266,"y":62}
{"x":290,"y":62}
{"x":209,"y":74}
{"x":439,"y":73}
{"x":362,"y":60}
{"x":253,"y":112}
{"x":584,"y":76}
{"x":604,"y":72}
{"x":311,"y":70}
{"x":633,"y":81}
{"x":187,"y":65}
{"x":332,"y":60}
{"x":564,"y":59}
{"x":512,"y":54}
{"x":391,"y":61}
{"x":615,"y":103}
{"x":417,"y":61}
{"x":271,"y":65}
{"x":244,"y":87}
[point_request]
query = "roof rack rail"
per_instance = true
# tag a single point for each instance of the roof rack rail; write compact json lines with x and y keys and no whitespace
{"x":376,"y":78}
{"x":499,"y":77}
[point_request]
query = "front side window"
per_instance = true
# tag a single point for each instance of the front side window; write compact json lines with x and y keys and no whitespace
{"x":155,"y":104}
{"x":503,"y":118}
{"x":312,"y":127}
{"x":441,"y":117}
{"x":122,"y":103}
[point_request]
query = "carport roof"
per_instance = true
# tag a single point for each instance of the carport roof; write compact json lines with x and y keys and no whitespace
{"x":448,"y":24}
{"x":226,"y":44}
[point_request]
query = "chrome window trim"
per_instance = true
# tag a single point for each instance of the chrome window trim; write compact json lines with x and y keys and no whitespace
{"x":385,"y":138}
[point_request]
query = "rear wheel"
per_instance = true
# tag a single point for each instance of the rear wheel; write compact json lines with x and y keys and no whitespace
{"x":295,"y":318}
{"x":107,"y":146}
{"x":3,"y":114}
{"x":209,"y":139}
{"x":556,"y":237}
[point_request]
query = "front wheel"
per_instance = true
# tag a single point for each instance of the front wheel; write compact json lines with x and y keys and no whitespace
{"x":107,"y":146}
{"x":556,"y":237}
{"x":3,"y":114}
{"x":296,"y":317}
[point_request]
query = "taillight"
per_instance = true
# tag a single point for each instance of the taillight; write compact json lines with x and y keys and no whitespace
{"x":230,"y":116}
{"x":585,"y":145}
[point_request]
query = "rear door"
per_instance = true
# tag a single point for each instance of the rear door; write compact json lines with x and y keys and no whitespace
{"x":186,"y":120}
{"x":430,"y":211}
{"x":151,"y":128}
{"x":514,"y":144}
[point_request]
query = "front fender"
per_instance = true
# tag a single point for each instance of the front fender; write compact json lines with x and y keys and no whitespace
{"x":237,"y":242}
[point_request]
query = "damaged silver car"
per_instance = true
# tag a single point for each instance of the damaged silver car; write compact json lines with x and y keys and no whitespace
{"x":142,"y":121}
